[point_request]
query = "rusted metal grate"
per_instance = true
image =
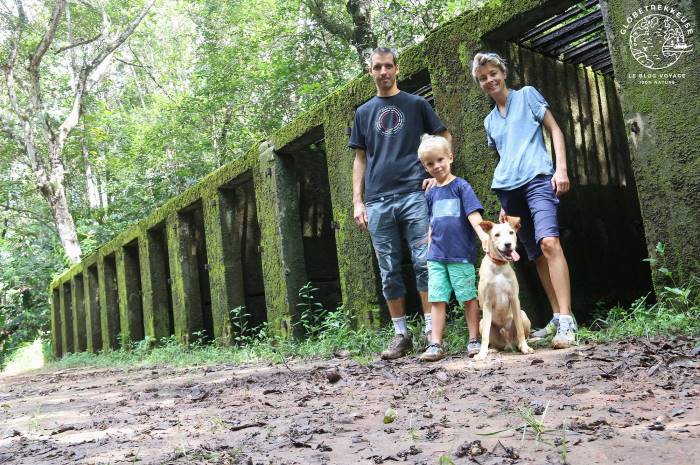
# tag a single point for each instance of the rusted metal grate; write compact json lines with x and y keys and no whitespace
{"x":575,"y":36}
{"x":427,"y":93}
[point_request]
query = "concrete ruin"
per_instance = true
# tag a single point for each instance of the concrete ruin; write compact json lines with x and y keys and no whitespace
{"x":252,"y":233}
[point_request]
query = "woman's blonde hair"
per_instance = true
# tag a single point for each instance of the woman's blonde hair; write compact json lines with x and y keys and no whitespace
{"x":483,"y":58}
{"x":429,"y":142}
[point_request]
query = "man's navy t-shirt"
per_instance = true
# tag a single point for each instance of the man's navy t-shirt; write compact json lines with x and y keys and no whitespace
{"x":388,"y":129}
{"x":452,"y":236}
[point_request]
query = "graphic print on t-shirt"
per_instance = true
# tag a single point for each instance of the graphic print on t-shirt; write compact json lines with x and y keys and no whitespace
{"x":446,"y":207}
{"x":389,"y":121}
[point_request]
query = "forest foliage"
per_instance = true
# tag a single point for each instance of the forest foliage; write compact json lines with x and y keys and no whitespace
{"x":192,"y":87}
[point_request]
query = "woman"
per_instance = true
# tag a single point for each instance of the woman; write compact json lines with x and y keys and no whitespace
{"x":527,"y":185}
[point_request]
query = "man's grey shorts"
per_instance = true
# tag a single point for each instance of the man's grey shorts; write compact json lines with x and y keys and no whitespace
{"x":390,"y":218}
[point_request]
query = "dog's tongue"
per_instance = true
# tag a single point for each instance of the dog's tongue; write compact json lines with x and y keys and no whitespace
{"x":515,"y":256}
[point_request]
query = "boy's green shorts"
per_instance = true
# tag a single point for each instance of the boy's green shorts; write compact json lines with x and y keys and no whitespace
{"x":445,"y":277}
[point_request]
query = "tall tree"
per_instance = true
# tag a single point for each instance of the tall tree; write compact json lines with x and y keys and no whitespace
{"x":42,"y":129}
{"x":358,"y":32}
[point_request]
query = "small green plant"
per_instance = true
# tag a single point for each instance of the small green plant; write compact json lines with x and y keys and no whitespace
{"x":564,"y":449}
{"x":445,"y":460}
{"x":531,"y":425}
{"x":536,"y":426}
{"x":310,"y":311}
{"x":239,"y":325}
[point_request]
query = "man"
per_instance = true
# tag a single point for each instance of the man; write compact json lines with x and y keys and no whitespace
{"x":388,"y":180}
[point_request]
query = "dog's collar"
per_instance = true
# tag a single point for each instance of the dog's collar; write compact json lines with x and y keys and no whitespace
{"x":497,"y":261}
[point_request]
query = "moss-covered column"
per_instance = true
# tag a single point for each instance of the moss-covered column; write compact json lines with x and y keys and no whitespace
{"x":153,"y":256}
{"x":109,"y":302}
{"x":130,"y":302}
{"x":78,"y":305}
{"x":66,"y":302}
{"x":282,"y":248}
{"x":187,"y":302}
{"x":359,"y":284}
{"x":56,"y":339}
{"x":225,"y":267}
{"x":93,"y":328}
{"x":661,"y":109}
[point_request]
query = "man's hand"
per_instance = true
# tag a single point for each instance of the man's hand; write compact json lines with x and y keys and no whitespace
{"x":560,"y":183}
{"x":502,"y":216}
{"x":429,"y":183}
{"x":360,"y":215}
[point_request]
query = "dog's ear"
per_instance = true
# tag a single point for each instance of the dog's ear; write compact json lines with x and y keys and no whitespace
{"x":513,"y":221}
{"x":486,"y":225}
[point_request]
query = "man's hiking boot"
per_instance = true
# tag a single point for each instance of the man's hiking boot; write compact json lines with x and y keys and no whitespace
{"x":398,"y":346}
{"x":566,"y":333}
{"x":547,"y":331}
{"x":433,"y":353}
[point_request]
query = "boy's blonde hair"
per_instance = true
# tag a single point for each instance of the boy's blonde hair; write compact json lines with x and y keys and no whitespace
{"x":483,"y":58}
{"x":430,"y":142}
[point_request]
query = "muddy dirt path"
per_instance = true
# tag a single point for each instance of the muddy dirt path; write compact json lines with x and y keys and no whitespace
{"x":635,"y":402}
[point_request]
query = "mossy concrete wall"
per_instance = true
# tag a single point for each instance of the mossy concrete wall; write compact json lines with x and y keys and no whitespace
{"x":664,"y":157}
{"x":662,"y":120}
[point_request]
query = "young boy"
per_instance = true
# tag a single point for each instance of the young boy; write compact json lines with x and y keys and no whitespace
{"x":453,"y":207}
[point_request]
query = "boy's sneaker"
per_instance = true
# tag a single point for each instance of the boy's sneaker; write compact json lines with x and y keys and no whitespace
{"x":425,"y":340}
{"x":566,"y":333}
{"x":433,"y":353}
{"x":473,"y":347}
{"x":398,"y":346}
{"x":548,"y":330}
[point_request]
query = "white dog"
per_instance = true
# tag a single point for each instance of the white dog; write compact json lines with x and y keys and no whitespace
{"x":503,"y":321}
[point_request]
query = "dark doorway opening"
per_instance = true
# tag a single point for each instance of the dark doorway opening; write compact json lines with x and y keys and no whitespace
{"x":132,"y":281}
{"x":110,"y":314}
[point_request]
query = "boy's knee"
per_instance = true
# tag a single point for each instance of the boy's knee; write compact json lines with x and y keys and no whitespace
{"x":550,"y":246}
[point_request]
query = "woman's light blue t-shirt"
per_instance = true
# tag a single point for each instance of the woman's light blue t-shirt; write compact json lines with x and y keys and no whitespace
{"x":518,"y":139}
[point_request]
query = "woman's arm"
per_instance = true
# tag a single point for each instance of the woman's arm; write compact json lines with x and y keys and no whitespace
{"x":560,"y":180}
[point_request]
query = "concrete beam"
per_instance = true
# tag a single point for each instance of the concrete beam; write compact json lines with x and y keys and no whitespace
{"x":282,"y":249}
{"x":78,"y":306}
{"x":66,"y":318}
{"x":93,"y":327}
{"x":182,"y":252}
{"x":56,"y":337}
{"x":155,"y":275}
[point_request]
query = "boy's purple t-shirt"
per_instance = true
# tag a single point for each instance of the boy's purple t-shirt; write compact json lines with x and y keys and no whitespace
{"x":452,"y":236}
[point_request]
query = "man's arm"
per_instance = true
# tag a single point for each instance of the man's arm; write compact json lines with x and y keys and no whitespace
{"x":446,"y":134}
{"x":358,"y":187}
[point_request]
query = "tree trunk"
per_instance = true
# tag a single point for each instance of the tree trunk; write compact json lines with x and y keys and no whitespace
{"x":363,"y":39}
{"x":64,"y":223}
{"x":92,"y":190}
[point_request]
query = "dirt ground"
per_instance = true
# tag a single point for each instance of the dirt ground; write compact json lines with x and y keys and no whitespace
{"x":634,"y":402}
